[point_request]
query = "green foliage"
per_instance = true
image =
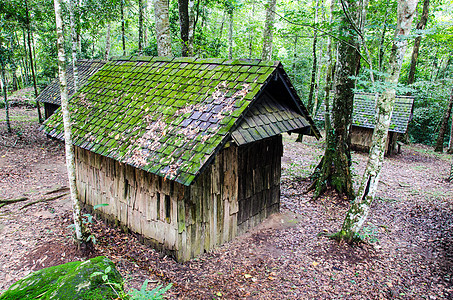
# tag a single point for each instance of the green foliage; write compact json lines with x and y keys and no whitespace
{"x":155,"y":294}
{"x":431,"y":100}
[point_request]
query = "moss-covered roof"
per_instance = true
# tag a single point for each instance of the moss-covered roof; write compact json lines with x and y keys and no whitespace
{"x":85,"y":68}
{"x":166,"y":116}
{"x":365,"y":109}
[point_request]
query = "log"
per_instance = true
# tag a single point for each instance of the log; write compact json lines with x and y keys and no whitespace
{"x":43,"y":200}
{"x":10,"y":201}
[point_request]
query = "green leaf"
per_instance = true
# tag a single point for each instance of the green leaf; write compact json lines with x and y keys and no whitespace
{"x":100,"y":205}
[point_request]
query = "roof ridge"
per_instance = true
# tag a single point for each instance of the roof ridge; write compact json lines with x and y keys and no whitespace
{"x":198,"y":60}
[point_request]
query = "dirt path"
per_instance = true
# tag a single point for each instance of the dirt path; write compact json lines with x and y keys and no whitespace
{"x":285,"y":258}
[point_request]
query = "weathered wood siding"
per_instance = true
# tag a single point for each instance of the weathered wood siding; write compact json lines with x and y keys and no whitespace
{"x":208,"y":215}
{"x":259,"y":174}
{"x":144,"y":203}
{"x":236,"y":192}
{"x":361,"y":139}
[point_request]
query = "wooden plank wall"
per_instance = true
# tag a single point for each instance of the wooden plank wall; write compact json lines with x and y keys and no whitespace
{"x":259,"y":174}
{"x":361,"y":139}
{"x":207,"y":216}
{"x":136,"y":199}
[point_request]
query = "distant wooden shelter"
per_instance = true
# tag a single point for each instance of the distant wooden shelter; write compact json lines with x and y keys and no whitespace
{"x":186,"y":152}
{"x":363,"y":121}
{"x":50,"y":96}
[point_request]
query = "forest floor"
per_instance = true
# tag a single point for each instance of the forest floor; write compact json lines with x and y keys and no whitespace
{"x":409,"y":254}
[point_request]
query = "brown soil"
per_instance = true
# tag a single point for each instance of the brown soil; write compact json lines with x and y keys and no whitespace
{"x":287,"y":257}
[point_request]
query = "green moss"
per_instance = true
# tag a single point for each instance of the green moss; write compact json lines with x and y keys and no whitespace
{"x":69,"y":281}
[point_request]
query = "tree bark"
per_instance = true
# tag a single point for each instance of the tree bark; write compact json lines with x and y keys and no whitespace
{"x":183,"y":7}
{"x":107,"y":43}
{"x":450,"y":142}
{"x":140,"y":27}
{"x":192,"y":25}
{"x":420,"y":26}
{"x":360,"y":207}
{"x":27,"y":76}
{"x":230,"y":33}
{"x":31,"y":59}
{"x":75,"y":70}
{"x":5,"y":95}
{"x":443,"y":127}
{"x":314,"y":67}
{"x":268,"y":33}
{"x":80,"y":231}
{"x":162,"y":28}
{"x":123,"y":37}
{"x":334,"y":169}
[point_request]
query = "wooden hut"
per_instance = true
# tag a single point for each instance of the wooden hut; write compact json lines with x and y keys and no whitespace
{"x":50,"y":96}
{"x":363,"y":121}
{"x":186,"y":152}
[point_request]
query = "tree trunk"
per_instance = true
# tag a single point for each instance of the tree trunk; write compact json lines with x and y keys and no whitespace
{"x":268,"y":30}
{"x":191,"y":33}
{"x":443,"y":127}
{"x":315,"y":61}
{"x":31,"y":59}
{"x":75,"y":70}
{"x":420,"y":26}
{"x":140,"y":27}
{"x":80,"y":232}
{"x":5,"y":95}
{"x":183,"y":7}
{"x":450,"y":142}
{"x":107,"y":43}
{"x":360,"y":207}
{"x":230,"y":33}
{"x":123,"y":37}
{"x":27,"y":71}
{"x":334,"y":168}
{"x":163,"y":37}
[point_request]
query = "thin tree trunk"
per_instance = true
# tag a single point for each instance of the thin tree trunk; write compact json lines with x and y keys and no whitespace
{"x":75,"y":70}
{"x":420,"y":26}
{"x":31,"y":59}
{"x":78,"y":224}
{"x":27,"y":71}
{"x":123,"y":37}
{"x":443,"y":127}
{"x":183,"y":7}
{"x":268,"y":33}
{"x":360,"y":207}
{"x":5,"y":95}
{"x":450,"y":142}
{"x":140,"y":27}
{"x":250,"y":31}
{"x":230,"y":33}
{"x":163,"y":37}
{"x":192,"y":24}
{"x":107,"y":43}
{"x":314,"y":68}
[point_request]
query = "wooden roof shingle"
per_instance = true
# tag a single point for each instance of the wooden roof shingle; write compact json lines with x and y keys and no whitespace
{"x":85,"y":68}
{"x":364,"y":112}
{"x":171,"y":116}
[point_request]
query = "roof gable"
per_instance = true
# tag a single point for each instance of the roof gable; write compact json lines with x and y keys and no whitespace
{"x":364,"y":112}
{"x":166,"y":116}
{"x":85,"y":68}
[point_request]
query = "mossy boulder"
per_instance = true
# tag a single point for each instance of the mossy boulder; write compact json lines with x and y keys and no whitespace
{"x":73,"y":280}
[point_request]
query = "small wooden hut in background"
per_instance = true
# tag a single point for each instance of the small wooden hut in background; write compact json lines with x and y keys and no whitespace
{"x":363,"y":121}
{"x":50,"y":96}
{"x":186,"y":152}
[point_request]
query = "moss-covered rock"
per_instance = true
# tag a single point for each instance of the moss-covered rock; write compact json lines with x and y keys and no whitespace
{"x":73,"y":280}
